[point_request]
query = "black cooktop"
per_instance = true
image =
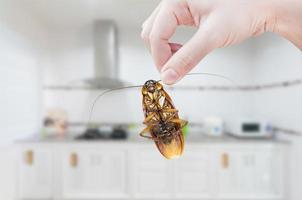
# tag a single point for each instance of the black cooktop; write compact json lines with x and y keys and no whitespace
{"x":98,"y":134}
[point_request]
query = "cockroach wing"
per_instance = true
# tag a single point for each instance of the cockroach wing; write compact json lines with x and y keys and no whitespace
{"x":173,"y":149}
{"x":168,"y":104}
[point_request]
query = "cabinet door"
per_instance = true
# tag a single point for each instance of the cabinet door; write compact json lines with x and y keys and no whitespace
{"x":192,"y":174}
{"x":94,"y":174}
{"x":152,"y":174}
{"x":250,"y":172}
{"x":35,"y":166}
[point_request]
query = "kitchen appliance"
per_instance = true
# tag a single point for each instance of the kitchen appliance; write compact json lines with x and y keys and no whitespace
{"x":252,"y":129}
{"x":106,"y":56}
{"x":104,"y":132}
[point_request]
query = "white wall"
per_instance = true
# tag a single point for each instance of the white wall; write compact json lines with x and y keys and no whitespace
{"x":19,"y":82}
{"x":20,"y":85}
{"x":278,"y":60}
{"x":22,"y":39}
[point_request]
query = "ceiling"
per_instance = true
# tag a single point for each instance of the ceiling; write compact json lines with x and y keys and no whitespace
{"x":73,"y":14}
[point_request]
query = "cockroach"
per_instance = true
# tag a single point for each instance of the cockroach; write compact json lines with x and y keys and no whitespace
{"x":164,"y":126}
{"x":161,"y":117}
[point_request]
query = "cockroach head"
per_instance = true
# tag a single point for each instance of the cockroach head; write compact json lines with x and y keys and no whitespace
{"x":152,"y":86}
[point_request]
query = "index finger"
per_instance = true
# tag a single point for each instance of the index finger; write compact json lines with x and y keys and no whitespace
{"x":170,"y":15}
{"x":163,"y":28}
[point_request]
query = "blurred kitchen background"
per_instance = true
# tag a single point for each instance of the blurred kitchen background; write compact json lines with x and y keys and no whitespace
{"x":57,"y":56}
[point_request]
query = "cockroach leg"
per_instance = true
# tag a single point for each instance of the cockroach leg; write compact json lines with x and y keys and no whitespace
{"x":181,"y":122}
{"x":147,"y":131}
{"x":170,"y":110}
{"x":147,"y":119}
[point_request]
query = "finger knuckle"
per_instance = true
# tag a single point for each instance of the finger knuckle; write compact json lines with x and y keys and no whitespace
{"x":185,"y":63}
{"x":213,"y":38}
{"x":153,"y":37}
{"x":144,"y":35}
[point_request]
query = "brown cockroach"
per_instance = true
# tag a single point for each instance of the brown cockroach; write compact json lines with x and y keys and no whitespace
{"x":161,"y":117}
{"x":164,"y":126}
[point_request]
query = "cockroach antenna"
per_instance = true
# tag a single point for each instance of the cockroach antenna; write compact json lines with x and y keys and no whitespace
{"x":136,"y":86}
{"x":211,"y":74}
{"x":108,"y":91}
{"x":208,"y":74}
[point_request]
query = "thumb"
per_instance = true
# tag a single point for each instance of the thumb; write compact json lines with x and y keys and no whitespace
{"x":188,"y":56}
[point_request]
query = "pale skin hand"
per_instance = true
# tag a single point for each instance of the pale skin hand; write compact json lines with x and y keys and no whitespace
{"x":219,"y":23}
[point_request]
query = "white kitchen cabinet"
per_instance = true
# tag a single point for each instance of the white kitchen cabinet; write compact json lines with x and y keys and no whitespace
{"x":250,"y":172}
{"x":35,"y":172}
{"x":93,"y":173}
{"x":121,"y":170}
{"x":193,"y":174}
{"x":152,"y":174}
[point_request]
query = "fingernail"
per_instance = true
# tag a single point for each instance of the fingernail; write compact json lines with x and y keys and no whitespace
{"x":169,"y":76}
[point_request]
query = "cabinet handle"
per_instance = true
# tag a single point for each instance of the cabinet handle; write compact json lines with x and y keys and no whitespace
{"x":73,"y":160}
{"x":225,"y":160}
{"x":29,"y":157}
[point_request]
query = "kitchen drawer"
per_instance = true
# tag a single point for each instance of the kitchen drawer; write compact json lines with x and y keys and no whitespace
{"x":94,"y":173}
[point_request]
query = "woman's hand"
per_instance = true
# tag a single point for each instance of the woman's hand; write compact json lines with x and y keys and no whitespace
{"x":220,"y":23}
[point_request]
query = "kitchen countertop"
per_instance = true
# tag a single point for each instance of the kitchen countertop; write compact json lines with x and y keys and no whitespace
{"x":138,"y":140}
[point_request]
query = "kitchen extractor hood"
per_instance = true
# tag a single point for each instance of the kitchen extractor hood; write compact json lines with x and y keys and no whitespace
{"x":106,"y":57}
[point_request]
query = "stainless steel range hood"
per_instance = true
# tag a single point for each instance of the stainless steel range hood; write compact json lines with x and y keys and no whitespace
{"x":106,"y":58}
